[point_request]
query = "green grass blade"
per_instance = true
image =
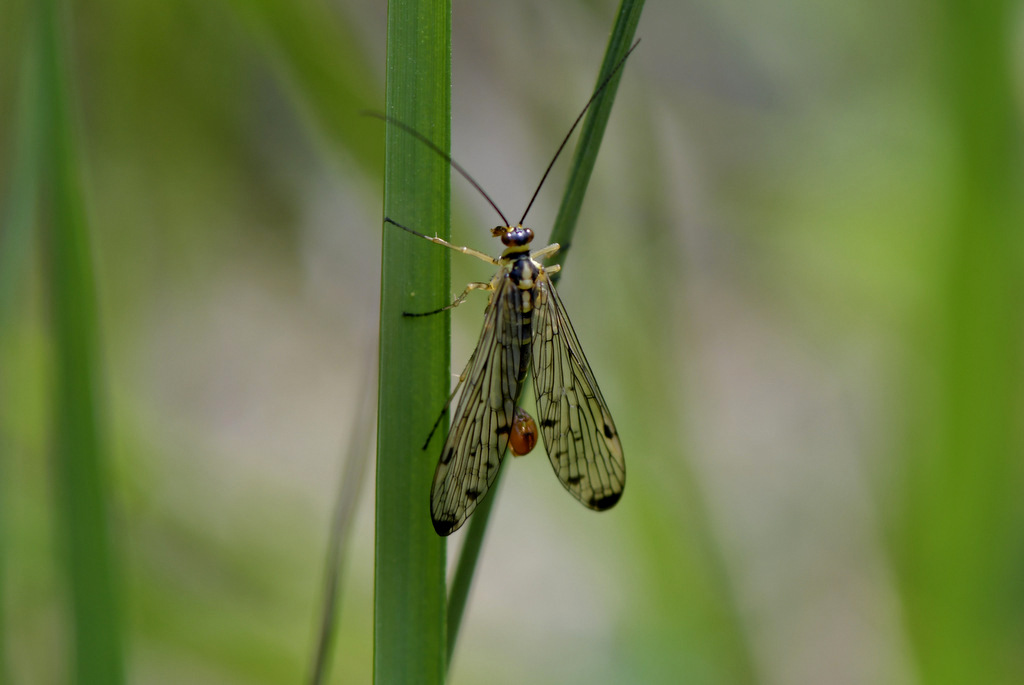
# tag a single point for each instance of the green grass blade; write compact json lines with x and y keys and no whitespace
{"x":320,"y":60}
{"x":79,"y":451}
{"x":465,"y":567}
{"x":594,"y":124}
{"x":582,"y":166}
{"x":19,"y":215}
{"x":959,"y":549}
{"x":409,"y":612}
{"x":19,"y":205}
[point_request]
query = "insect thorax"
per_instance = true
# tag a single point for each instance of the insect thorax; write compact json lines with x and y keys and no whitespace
{"x":524,"y":271}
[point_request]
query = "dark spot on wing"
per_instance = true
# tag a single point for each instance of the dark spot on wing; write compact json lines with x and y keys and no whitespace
{"x":447,"y":456}
{"x":547,"y":423}
{"x":444,"y":527}
{"x":608,"y":432}
{"x":605,"y":501}
{"x":472,"y":493}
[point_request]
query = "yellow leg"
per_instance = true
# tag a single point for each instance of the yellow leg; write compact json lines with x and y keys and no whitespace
{"x":546,"y":252}
{"x":458,"y":300}
{"x":441,"y":241}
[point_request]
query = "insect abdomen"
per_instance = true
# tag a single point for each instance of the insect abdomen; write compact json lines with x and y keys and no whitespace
{"x":524,"y":274}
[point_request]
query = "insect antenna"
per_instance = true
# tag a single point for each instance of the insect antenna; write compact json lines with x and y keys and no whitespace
{"x":448,"y":158}
{"x":597,"y":91}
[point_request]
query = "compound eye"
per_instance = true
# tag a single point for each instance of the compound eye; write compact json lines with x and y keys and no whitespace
{"x":521,"y":236}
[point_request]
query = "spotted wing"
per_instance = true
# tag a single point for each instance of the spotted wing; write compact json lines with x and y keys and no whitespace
{"x":577,"y":428}
{"x":482,"y":421}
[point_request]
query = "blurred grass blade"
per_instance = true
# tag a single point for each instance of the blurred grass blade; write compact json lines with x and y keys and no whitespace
{"x":357,"y":454}
{"x":19,"y":204}
{"x":321,"y":61}
{"x":19,"y":215}
{"x":409,"y":616}
{"x":592,"y":132}
{"x":960,"y":543}
{"x":465,"y":567}
{"x":79,"y":450}
{"x":582,"y":165}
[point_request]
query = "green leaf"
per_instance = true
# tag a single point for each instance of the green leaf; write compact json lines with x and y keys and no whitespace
{"x":80,"y":455}
{"x":409,"y":632}
{"x":593,"y":127}
{"x":959,"y":543}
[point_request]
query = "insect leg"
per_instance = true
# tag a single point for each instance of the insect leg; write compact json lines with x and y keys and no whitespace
{"x":442,"y":241}
{"x":444,"y":409}
{"x":458,"y":300}
{"x":546,"y":252}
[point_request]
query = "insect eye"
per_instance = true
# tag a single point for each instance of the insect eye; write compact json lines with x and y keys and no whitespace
{"x":521,"y":236}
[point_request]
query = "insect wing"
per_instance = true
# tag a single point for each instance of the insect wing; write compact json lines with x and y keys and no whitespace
{"x":579,"y":434}
{"x":482,"y":421}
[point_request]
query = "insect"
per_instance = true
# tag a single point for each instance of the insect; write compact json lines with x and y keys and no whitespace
{"x":525,"y":326}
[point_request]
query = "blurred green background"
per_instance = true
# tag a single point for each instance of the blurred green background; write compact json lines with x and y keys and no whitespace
{"x":797,"y":277}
